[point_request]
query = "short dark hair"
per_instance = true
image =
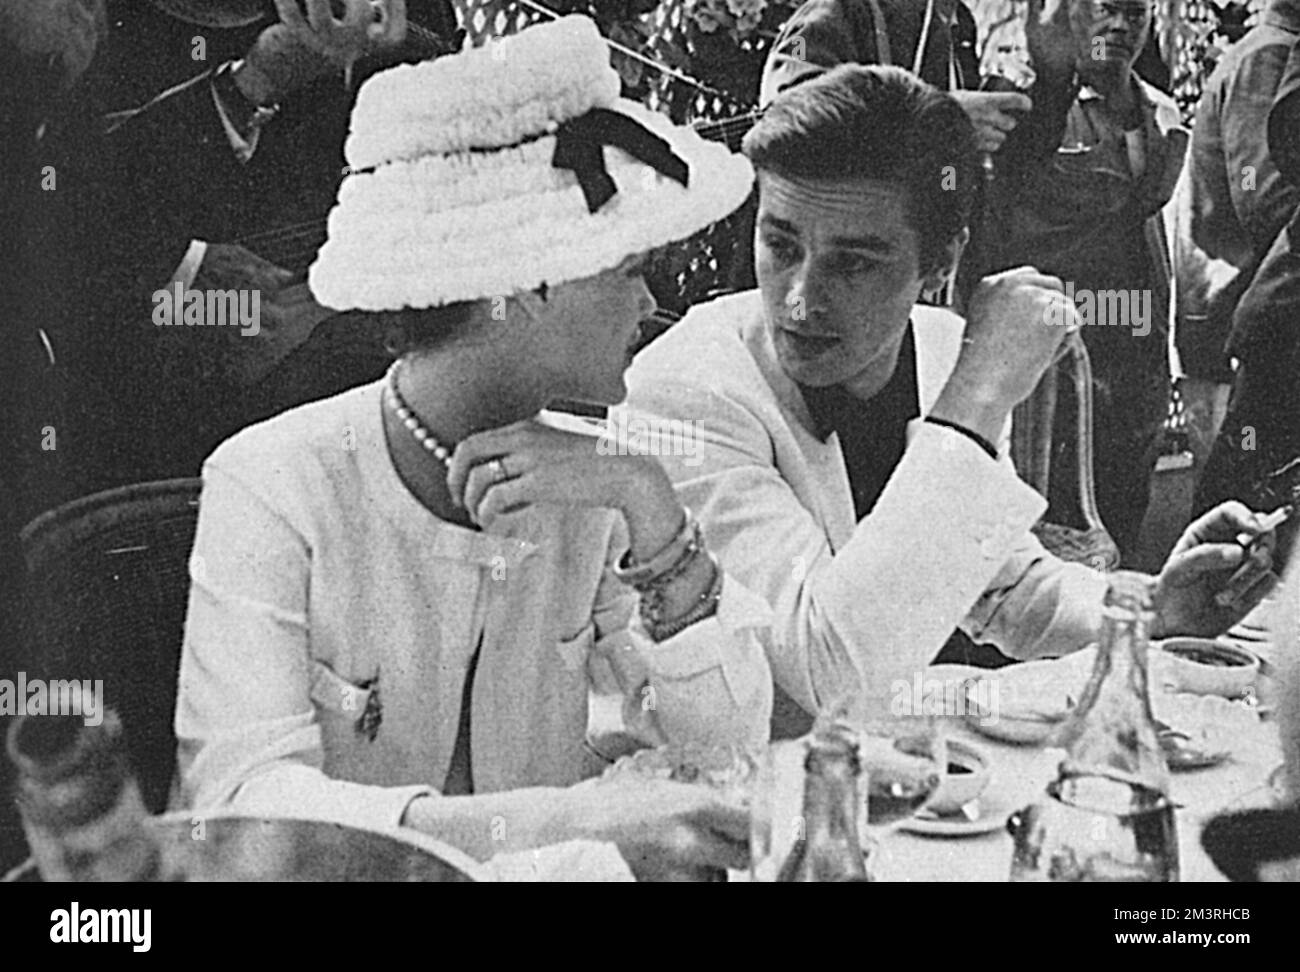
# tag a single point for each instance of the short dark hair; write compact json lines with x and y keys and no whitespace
{"x":873,"y":122}
{"x":408,"y":331}
{"x":429,"y":329}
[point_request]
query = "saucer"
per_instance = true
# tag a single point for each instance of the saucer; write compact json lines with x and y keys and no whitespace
{"x":993,"y":816}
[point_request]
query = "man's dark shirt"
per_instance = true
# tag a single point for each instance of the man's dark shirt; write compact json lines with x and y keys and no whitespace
{"x":873,"y":433}
{"x":873,"y":437}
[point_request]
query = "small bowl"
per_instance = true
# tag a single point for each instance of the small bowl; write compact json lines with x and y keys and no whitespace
{"x":1204,"y":666}
{"x":959,"y":788}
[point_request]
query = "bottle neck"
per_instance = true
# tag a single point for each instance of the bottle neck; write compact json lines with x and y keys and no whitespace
{"x":1113,"y":732}
{"x":830,"y":805}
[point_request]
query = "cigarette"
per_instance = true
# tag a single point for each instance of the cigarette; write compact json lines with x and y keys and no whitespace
{"x":1247,"y":541}
{"x":1267,"y":523}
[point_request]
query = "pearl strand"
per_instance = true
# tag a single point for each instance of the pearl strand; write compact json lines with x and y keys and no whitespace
{"x":413,"y":424}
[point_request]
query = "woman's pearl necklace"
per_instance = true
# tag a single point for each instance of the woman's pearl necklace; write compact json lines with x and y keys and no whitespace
{"x":413,"y":424}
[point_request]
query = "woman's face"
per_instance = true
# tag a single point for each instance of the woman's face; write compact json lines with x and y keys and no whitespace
{"x":594,"y":322}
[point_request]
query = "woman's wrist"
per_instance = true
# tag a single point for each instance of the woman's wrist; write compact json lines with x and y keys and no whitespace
{"x":689,"y":598}
{"x":653,"y":514}
{"x":682,"y":593}
{"x":488,"y":824}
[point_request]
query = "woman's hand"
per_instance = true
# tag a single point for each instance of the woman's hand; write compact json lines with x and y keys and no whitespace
{"x":506,"y":470}
{"x":1208,"y":562}
{"x":665,"y":831}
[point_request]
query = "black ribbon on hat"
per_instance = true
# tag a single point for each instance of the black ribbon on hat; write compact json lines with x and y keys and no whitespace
{"x":580,"y":144}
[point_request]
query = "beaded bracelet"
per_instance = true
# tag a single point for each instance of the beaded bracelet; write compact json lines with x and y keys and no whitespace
{"x":652,"y":593}
{"x":707,"y":606}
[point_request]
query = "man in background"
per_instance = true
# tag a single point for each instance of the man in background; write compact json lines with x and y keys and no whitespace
{"x":1080,"y":196}
{"x":1236,"y":204}
{"x":106,"y":212}
{"x":845,"y":448}
{"x":1256,"y":456}
{"x":934,"y":39}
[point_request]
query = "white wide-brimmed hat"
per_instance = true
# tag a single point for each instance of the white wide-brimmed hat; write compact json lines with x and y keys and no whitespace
{"x":495,"y":171}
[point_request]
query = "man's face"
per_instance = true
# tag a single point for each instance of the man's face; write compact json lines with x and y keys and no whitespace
{"x":1110,"y":34}
{"x":838,"y":265}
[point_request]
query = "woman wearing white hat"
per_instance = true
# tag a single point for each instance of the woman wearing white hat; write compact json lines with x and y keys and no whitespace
{"x":407,"y":593}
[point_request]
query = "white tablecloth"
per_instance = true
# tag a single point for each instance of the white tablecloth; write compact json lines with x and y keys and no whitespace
{"x":1020,"y":774}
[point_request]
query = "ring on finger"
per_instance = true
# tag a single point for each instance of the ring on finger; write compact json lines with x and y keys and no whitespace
{"x":498,"y":468}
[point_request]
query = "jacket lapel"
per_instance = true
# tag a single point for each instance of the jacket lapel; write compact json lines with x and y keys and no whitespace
{"x":815,"y":470}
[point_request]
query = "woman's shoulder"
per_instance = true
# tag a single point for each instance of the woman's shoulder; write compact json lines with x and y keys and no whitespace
{"x":310,"y":442}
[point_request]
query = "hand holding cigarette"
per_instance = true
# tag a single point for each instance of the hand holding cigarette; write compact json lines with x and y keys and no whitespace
{"x":1218,"y":571}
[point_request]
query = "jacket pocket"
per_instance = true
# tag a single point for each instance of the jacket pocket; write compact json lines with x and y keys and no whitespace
{"x":348,"y":712}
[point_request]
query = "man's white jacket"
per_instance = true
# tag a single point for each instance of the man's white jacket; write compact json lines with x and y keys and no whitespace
{"x":857,"y":606}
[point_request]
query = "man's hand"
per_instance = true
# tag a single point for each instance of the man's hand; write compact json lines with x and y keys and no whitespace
{"x":1053,"y":49}
{"x":286,"y":312}
{"x":1206,"y":561}
{"x":300,"y":49}
{"x":229,"y":266}
{"x":288,"y":318}
{"x":993,"y":113}
{"x":1014,"y":328}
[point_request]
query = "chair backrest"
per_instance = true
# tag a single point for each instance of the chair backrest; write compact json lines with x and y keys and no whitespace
{"x":107,"y":586}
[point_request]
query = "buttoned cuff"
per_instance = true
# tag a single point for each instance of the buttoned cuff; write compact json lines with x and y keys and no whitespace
{"x":698,"y":648}
{"x":188,"y":268}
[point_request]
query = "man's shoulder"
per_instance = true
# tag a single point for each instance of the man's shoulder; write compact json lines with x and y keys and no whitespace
{"x":712,"y":339}
{"x":937,"y":330}
{"x":710,"y":360}
{"x":1262,"y":42}
{"x":939,"y":319}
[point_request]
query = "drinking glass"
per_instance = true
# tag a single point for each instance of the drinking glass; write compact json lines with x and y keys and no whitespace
{"x":903,"y":759}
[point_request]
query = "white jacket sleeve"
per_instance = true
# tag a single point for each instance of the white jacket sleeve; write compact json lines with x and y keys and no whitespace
{"x":951,"y":525}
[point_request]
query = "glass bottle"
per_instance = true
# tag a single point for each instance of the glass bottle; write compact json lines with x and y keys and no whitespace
{"x":80,"y":803}
{"x":829,"y":849}
{"x":1107,"y":816}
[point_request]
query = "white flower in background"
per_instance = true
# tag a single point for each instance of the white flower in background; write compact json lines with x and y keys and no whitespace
{"x":741,"y":18}
{"x":743,"y":8}
{"x":705,"y":21}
